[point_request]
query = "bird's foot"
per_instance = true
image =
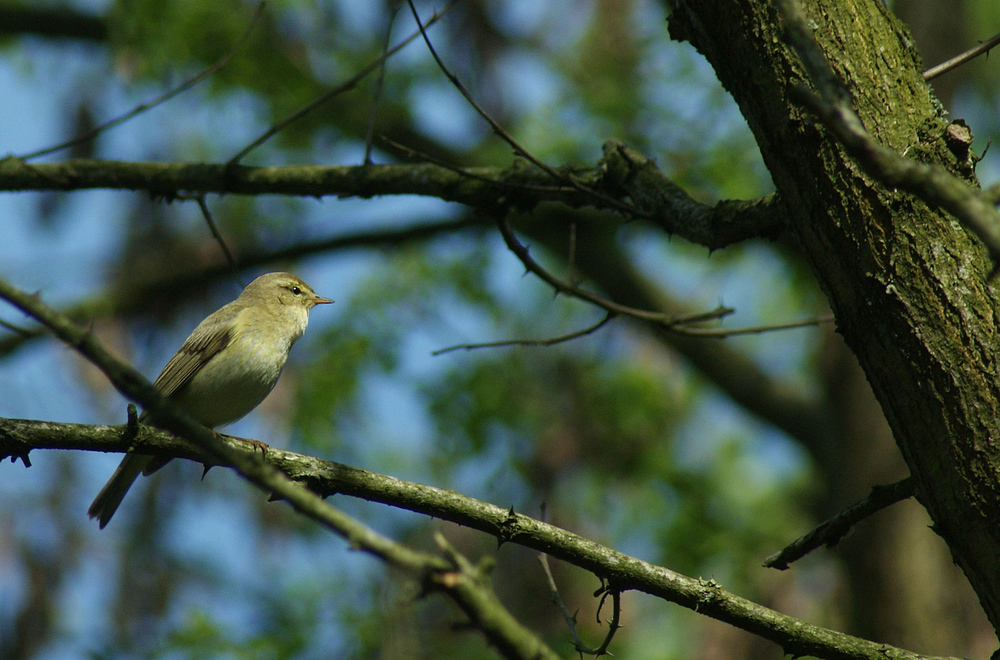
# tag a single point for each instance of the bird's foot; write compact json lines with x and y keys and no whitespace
{"x":255,"y":444}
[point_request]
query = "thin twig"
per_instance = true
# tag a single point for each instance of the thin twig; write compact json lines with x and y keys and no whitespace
{"x":614,"y":624}
{"x":143,"y":107}
{"x":831,"y":531}
{"x":959,"y":60}
{"x":554,"y":596}
{"x":335,"y":91}
{"x":379,"y":82}
{"x":24,"y":332}
{"x":531,"y":342}
{"x":666,"y":320}
{"x":570,"y":619}
{"x":506,"y":137}
{"x":212,"y":227}
{"x":722,"y":333}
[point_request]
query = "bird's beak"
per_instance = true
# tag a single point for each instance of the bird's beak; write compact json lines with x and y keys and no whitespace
{"x":321,"y":301}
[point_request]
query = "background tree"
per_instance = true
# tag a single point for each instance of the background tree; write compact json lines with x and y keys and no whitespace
{"x":695,"y":453}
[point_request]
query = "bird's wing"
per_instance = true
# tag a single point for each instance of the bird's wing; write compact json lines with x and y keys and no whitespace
{"x":204,"y":343}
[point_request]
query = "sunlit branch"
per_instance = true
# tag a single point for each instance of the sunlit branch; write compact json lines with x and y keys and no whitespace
{"x":453,"y":576}
{"x":623,"y":571}
{"x":667,"y":205}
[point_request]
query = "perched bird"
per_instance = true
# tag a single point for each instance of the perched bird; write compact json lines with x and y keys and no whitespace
{"x":224,"y":369}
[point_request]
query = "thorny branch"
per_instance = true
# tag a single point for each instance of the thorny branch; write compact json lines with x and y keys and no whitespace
{"x":452,"y":575}
{"x":830,"y":532}
{"x":18,"y":437}
{"x":962,"y":58}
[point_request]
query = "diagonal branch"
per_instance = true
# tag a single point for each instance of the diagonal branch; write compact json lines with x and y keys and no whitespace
{"x":931,"y":183}
{"x":343,"y":87}
{"x":831,"y":531}
{"x":325,"y":478}
{"x":452,"y":576}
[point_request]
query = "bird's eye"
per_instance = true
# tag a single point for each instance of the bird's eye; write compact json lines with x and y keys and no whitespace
{"x":296,"y":290}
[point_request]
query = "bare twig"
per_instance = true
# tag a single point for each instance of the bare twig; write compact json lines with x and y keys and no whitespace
{"x":722,"y":333}
{"x":831,"y":531}
{"x":671,"y":322}
{"x":506,"y":137}
{"x":335,"y":91}
{"x":557,"y":600}
{"x":143,"y":107}
{"x":570,"y":619}
{"x":379,"y":82}
{"x":216,"y":234}
{"x":531,"y":342}
{"x":959,"y":60}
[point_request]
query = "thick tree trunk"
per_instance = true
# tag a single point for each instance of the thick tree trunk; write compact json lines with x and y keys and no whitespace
{"x":907,"y":284}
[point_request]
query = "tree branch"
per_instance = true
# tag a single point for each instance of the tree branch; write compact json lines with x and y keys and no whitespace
{"x":325,"y":478}
{"x":832,"y":530}
{"x":622,"y":171}
{"x":629,"y":174}
{"x":930,"y":182}
{"x":452,"y":576}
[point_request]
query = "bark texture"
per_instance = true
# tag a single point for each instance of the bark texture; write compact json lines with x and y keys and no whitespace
{"x":907,"y":283}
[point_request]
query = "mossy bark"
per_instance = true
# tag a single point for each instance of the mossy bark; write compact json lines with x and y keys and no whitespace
{"x":907,"y":283}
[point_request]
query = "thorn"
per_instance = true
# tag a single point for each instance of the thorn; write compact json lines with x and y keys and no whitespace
{"x":205,"y":468}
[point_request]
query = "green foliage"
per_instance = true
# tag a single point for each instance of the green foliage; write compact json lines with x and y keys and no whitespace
{"x":595,"y":427}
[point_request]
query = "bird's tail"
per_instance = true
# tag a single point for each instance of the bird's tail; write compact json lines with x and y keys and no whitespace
{"x":107,"y":501}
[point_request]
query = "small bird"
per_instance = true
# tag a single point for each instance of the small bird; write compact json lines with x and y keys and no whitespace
{"x":224,"y":369}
